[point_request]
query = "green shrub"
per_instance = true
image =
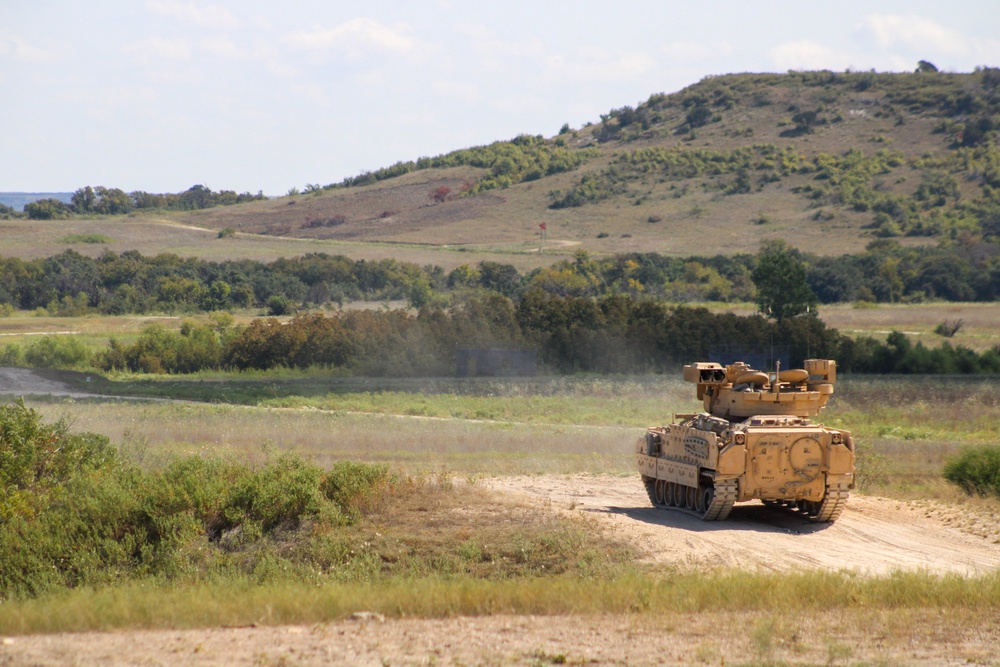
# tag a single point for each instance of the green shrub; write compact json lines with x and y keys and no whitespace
{"x":73,"y":512}
{"x":57,"y":352}
{"x":355,"y":486}
{"x":11,"y":354}
{"x":35,"y":455}
{"x":976,"y":469}
{"x":282,"y":494}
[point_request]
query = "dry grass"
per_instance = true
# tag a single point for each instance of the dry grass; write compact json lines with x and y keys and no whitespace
{"x":30,"y":239}
{"x":156,"y":432}
{"x":918,"y":605}
{"x":979,"y":331}
{"x":468,"y":527}
{"x":906,"y":428}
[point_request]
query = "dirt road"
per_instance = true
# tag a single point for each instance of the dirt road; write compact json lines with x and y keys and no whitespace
{"x":24,"y":382}
{"x":873,"y":535}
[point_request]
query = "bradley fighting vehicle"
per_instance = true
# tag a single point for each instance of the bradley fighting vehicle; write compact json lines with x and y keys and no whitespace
{"x":754,"y":440}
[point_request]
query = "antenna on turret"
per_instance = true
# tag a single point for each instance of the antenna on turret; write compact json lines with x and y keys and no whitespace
{"x":808,"y":335}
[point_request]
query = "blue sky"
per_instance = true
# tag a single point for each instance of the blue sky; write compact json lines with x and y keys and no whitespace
{"x":251,"y":95}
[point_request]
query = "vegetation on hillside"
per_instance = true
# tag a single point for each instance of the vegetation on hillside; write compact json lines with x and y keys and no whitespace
{"x":956,"y":190}
{"x":965,"y":104}
{"x":524,"y":158}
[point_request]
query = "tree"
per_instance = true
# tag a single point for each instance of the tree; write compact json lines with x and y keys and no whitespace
{"x":780,"y":279}
{"x":804,"y":121}
{"x":112,"y":201}
{"x":83,"y":200}
{"x":46,"y":209}
{"x":925,"y":66}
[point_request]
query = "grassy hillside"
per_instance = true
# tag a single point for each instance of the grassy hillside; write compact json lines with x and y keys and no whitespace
{"x":827,"y":161}
{"x":716,"y":167}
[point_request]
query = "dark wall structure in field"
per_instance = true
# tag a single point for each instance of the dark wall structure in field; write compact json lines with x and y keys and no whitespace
{"x":479,"y":362}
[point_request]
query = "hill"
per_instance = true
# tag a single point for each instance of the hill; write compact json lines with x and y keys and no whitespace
{"x":826,"y":161}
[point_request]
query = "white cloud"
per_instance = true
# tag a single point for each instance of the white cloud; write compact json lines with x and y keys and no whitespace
{"x":805,"y":55}
{"x":600,"y":65}
{"x":681,"y":53}
{"x":356,"y":37}
{"x":312,"y":93}
{"x":913,"y":32}
{"x":222,"y":46}
{"x":24,"y":51}
{"x":205,"y":16}
{"x":921,"y":37}
{"x":487,"y":43}
{"x":466,"y":92}
{"x":156,"y":50}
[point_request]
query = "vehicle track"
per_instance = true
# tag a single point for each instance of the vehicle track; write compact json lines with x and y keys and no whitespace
{"x":873,"y":535}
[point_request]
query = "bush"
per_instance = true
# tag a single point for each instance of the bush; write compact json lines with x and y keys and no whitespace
{"x":74,"y":513}
{"x":57,"y":352}
{"x":35,"y":455}
{"x":11,"y":354}
{"x":279,"y":305}
{"x":158,"y":350}
{"x":976,"y":469}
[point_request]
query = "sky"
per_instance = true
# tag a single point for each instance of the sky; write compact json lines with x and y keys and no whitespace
{"x":258,"y":95}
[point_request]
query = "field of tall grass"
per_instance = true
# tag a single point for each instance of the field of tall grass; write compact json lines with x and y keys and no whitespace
{"x":906,"y":427}
{"x":442,"y":545}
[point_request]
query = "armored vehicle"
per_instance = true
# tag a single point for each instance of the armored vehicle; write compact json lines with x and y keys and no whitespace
{"x":755,"y":440}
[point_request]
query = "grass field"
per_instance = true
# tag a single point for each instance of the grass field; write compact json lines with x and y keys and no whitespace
{"x":421,"y":553}
{"x":31,"y":239}
{"x":907,"y":427}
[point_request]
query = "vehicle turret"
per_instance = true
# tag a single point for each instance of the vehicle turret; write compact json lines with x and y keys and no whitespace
{"x":737,"y":391}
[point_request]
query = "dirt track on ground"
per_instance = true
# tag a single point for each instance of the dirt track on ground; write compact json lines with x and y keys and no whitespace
{"x":24,"y":382}
{"x":872,"y":536}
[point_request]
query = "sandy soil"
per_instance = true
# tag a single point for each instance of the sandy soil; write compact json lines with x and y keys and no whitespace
{"x":873,"y":535}
{"x":682,"y":639}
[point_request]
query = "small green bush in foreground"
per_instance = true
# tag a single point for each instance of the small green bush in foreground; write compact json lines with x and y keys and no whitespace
{"x":73,"y":512}
{"x":976,"y":469}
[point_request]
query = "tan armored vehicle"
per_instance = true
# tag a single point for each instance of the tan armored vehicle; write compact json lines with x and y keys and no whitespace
{"x":754,"y":440}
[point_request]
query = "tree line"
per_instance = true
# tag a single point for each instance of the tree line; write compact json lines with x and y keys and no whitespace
{"x":613,"y":334}
{"x":887,"y":272}
{"x":99,"y":200}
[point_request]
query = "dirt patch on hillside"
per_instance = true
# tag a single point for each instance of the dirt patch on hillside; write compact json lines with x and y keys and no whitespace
{"x":379,"y":213}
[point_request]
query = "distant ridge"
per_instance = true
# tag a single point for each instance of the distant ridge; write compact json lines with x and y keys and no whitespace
{"x":17,"y":200}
